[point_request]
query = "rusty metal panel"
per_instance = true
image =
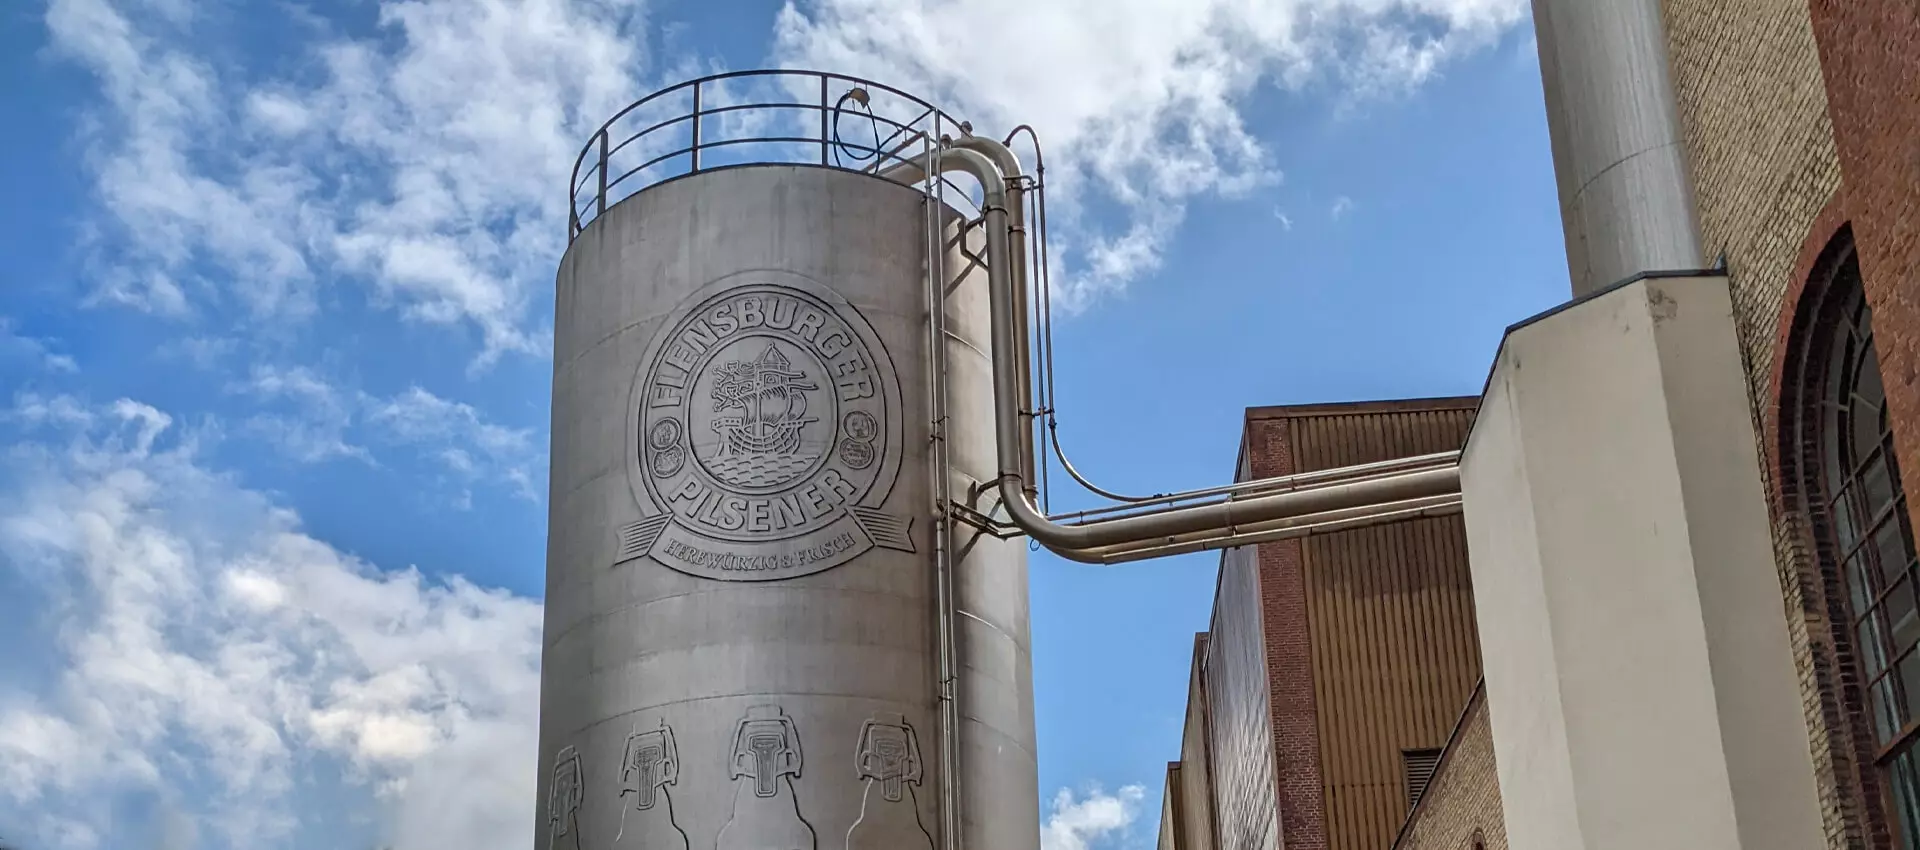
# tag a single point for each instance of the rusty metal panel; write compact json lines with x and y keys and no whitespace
{"x":1196,"y":766}
{"x":1390,"y":613}
{"x":1236,"y":686}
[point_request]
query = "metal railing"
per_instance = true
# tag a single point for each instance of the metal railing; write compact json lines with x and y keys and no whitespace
{"x":751,"y":117}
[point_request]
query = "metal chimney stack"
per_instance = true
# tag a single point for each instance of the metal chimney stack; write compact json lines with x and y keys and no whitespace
{"x":1626,"y":202}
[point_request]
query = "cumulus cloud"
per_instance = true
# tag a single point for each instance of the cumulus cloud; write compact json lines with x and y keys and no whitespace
{"x":41,"y":353}
{"x":210,"y":652}
{"x":461,"y":438}
{"x":1140,"y":103}
{"x":426,"y":163}
{"x":1081,"y":823}
{"x":311,"y":419}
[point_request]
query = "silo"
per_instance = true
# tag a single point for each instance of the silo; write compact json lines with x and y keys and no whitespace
{"x":744,"y":611}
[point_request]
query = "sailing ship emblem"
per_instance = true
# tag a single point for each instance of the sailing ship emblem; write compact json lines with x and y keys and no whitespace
{"x":766,"y":412}
{"x":761,"y":413}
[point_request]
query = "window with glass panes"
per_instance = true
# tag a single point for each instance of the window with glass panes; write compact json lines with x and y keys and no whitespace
{"x":1868,"y":535}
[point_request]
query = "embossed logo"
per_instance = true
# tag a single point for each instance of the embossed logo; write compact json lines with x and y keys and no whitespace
{"x":767,"y":420}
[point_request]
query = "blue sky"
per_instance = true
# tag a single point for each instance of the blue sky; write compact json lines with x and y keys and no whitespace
{"x":274,"y":312}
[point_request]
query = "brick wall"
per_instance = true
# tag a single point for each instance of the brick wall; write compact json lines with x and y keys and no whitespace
{"x":1870,"y":51}
{"x":1870,"y":63}
{"x":1784,"y":103}
{"x":1283,"y":600}
{"x":1765,"y":168}
{"x":1462,"y":801}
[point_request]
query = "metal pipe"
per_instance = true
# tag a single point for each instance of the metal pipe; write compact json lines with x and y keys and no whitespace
{"x":1375,"y":516}
{"x":1090,"y":539}
{"x":1010,"y":179}
{"x":1282,"y":482}
{"x":1350,"y":513}
{"x":941,"y":485}
{"x":1283,"y":522}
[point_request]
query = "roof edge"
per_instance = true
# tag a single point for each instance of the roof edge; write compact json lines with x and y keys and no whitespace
{"x":1363,"y":406}
{"x":1507,"y":335}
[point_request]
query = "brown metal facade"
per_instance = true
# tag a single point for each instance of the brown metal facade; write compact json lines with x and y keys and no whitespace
{"x":1328,"y":658}
{"x":1240,"y":724}
{"x":1394,"y":648}
{"x":1196,"y":822}
{"x":1170,"y":810}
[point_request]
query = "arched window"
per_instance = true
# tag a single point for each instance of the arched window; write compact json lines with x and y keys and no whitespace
{"x":1849,"y":481}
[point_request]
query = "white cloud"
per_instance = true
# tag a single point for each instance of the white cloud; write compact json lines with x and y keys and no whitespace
{"x":40,"y":352}
{"x":314,"y":429}
{"x":311,"y":419}
{"x":1341,"y":207}
{"x":202,"y":352}
{"x":1081,"y":823}
{"x":1286,"y":222}
{"x":462,"y":439}
{"x":208,"y":648}
{"x":1140,"y":103}
{"x":428,"y":162}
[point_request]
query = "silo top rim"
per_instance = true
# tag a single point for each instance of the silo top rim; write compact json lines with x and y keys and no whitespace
{"x":744,"y":117}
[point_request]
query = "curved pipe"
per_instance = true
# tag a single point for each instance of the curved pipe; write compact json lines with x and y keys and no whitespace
{"x":1008,"y":179}
{"x":1218,"y":525}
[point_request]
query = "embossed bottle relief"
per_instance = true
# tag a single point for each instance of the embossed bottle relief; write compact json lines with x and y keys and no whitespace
{"x":650,"y":765}
{"x":767,"y":436}
{"x":889,"y":761}
{"x":563,"y":801}
{"x":766,"y":815}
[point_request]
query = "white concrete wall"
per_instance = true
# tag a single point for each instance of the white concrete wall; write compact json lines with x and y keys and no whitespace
{"x":1639,"y":680}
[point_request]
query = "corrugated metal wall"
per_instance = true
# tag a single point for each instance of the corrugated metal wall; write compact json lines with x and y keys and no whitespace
{"x":1196,"y":767}
{"x":1170,"y":809}
{"x":1390,"y":609}
{"x":1242,"y":727}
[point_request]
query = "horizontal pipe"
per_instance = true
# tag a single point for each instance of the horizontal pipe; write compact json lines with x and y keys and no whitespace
{"x":1296,"y":481}
{"x":1093,"y":539}
{"x":1234,"y":534}
{"x":1447,"y":507}
{"x":1225,"y":516}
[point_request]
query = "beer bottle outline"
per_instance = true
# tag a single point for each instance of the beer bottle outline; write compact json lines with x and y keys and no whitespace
{"x":766,"y":813}
{"x":563,"y":801}
{"x":888,"y":759}
{"x":648,"y":766}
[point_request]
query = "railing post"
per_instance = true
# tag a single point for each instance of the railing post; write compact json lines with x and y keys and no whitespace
{"x":823,"y":119}
{"x":696,"y":126}
{"x":600,"y":197}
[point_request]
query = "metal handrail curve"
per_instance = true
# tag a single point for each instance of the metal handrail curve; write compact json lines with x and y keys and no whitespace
{"x":896,"y":136}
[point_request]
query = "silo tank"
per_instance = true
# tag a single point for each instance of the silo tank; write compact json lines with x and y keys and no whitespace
{"x":741,"y":627}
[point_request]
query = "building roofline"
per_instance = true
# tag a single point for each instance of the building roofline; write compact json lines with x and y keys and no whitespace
{"x":1507,"y":335}
{"x":1350,"y":408}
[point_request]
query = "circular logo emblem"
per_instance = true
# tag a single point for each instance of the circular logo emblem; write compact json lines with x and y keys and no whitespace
{"x":767,"y":433}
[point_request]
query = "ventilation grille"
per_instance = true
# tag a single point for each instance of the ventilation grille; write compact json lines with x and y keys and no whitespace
{"x":1419,"y":766}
